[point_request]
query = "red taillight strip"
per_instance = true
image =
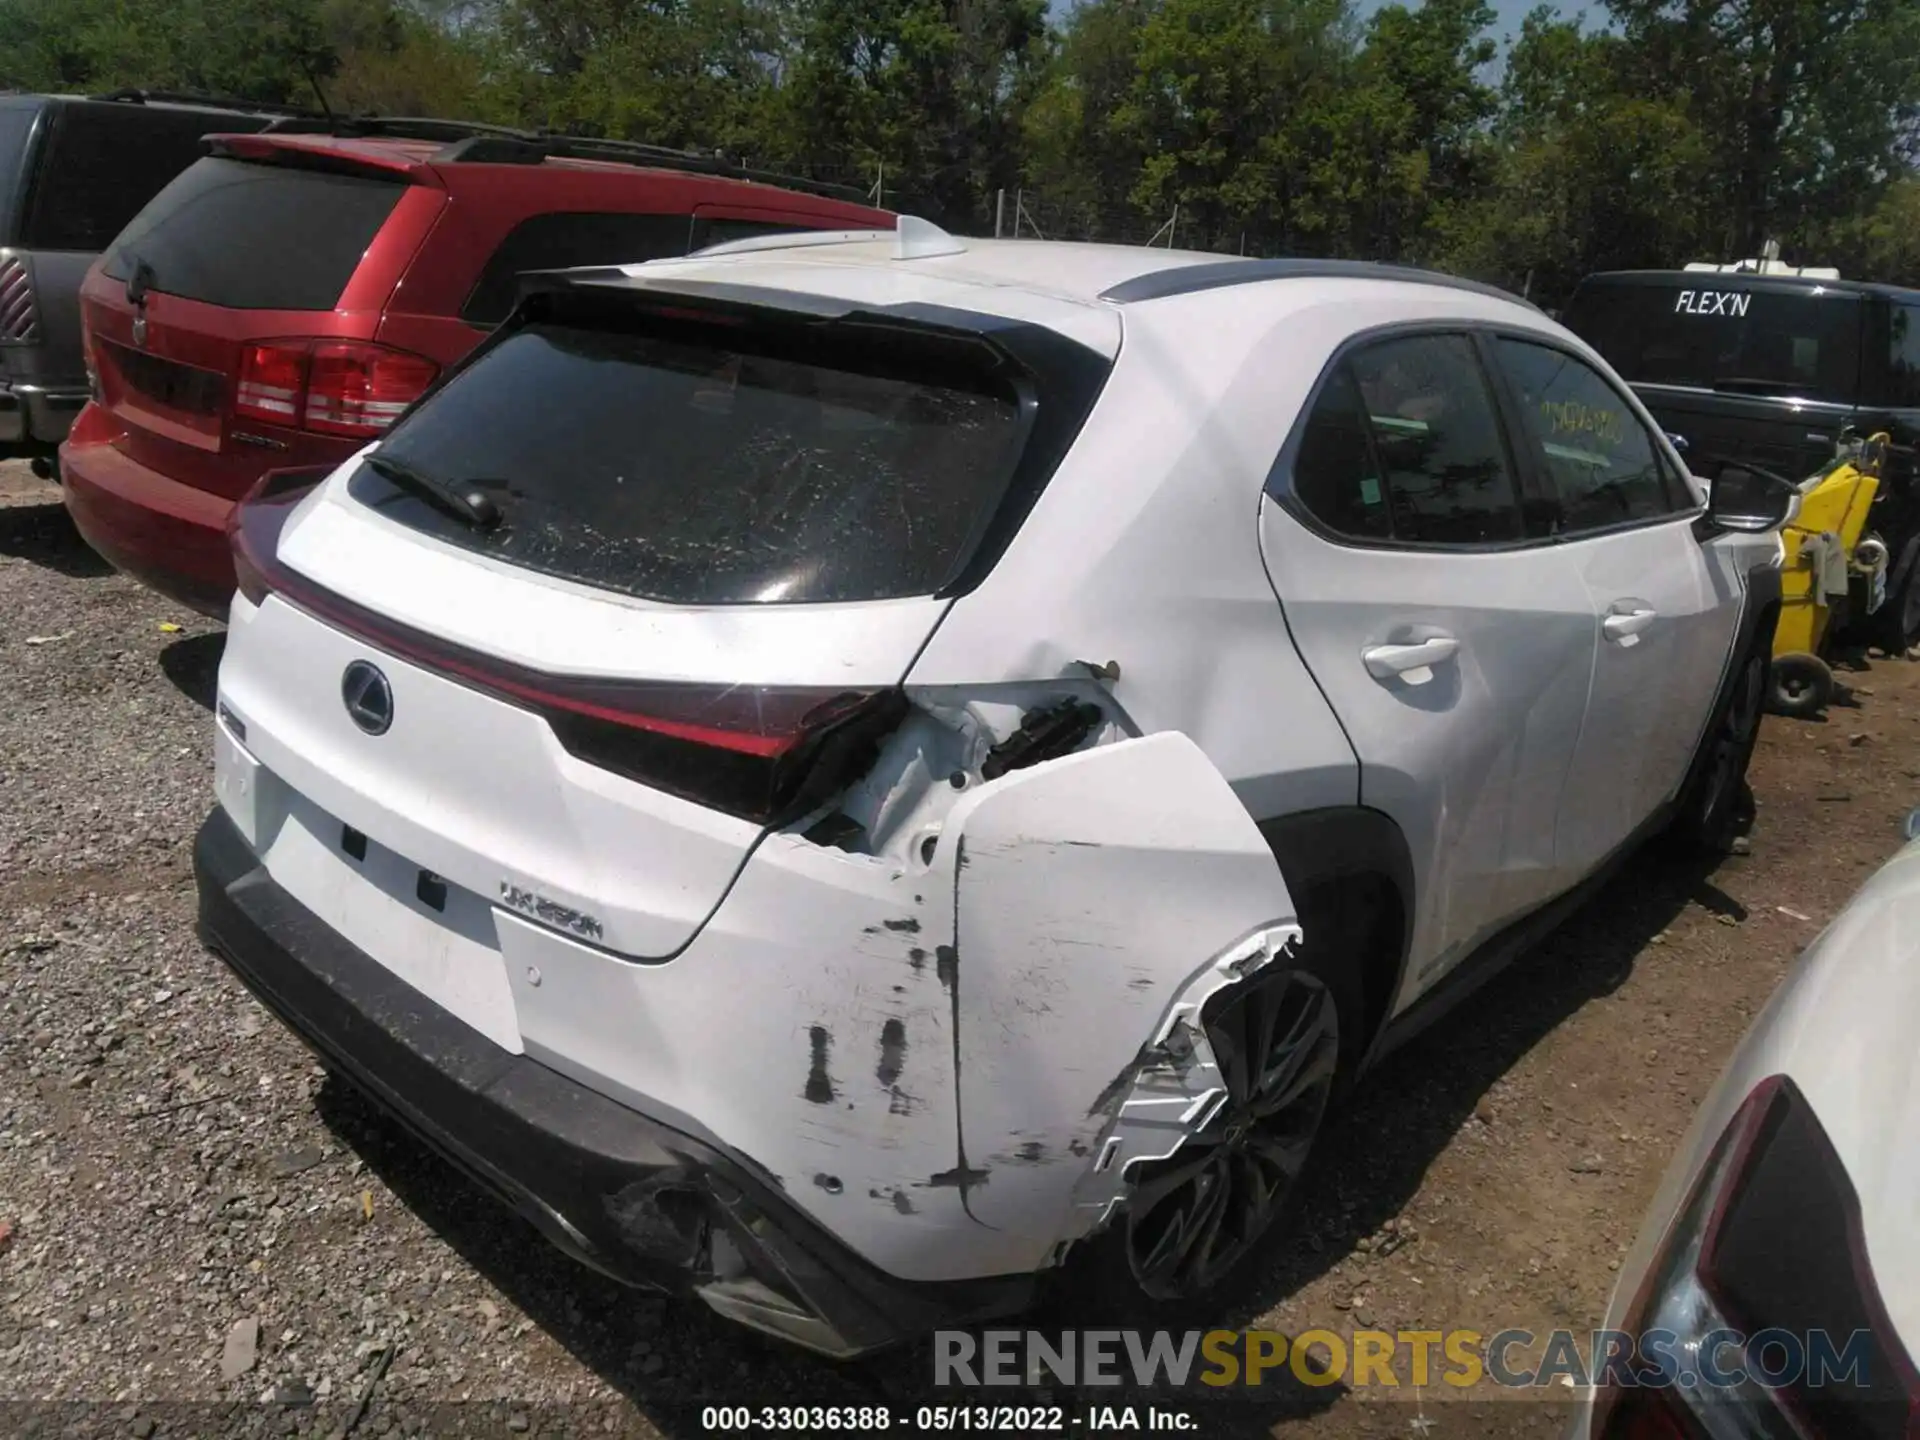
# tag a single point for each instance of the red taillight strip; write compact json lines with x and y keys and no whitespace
{"x":260,"y":573}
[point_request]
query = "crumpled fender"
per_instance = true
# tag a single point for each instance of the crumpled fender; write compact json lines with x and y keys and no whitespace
{"x":1099,"y":899}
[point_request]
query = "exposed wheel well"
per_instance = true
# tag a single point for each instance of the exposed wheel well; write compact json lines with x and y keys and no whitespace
{"x":1351,"y":878}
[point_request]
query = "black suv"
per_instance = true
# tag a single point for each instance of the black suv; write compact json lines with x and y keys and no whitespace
{"x":1770,"y":370}
{"x":73,"y":171}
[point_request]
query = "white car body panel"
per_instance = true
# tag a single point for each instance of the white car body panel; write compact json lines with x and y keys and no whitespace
{"x":1079,"y":881}
{"x":1841,"y":1025}
{"x":473,"y":789}
{"x":1652,"y":686}
{"x":1471,"y":760}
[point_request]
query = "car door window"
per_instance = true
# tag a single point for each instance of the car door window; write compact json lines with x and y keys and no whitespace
{"x":1434,"y":435}
{"x":1334,"y":476}
{"x":567,"y":238}
{"x":1587,"y":440}
{"x":1903,"y":361}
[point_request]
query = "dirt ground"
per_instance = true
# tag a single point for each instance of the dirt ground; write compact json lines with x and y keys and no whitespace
{"x":177,"y":1177}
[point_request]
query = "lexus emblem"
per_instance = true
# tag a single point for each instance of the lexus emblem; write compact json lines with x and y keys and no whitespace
{"x":368,"y":697}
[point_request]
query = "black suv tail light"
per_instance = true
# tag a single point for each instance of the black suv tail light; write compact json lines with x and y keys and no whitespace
{"x":19,"y":315}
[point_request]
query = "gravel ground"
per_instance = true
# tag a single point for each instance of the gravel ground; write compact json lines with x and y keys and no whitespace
{"x":192,"y":1217}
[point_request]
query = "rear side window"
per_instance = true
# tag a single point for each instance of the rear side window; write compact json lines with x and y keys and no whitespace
{"x":256,"y":237}
{"x":1713,"y":335}
{"x":103,"y":162}
{"x":1903,"y":363}
{"x":1601,"y":459}
{"x":718,"y":230}
{"x":702,"y":463}
{"x":564,"y":239}
{"x":1333,"y":474}
{"x":1435,"y":437}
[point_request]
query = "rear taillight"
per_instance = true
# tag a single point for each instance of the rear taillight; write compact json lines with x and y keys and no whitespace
{"x":19,"y":316}
{"x":273,"y":381}
{"x":361,"y":389}
{"x":1760,"y":1319}
{"x":332,"y":387}
{"x":764,"y":753}
{"x":254,"y":526}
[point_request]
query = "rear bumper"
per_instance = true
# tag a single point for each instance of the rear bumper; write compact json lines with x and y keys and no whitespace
{"x":616,"y":1189}
{"x":39,"y":415}
{"x":169,"y":536}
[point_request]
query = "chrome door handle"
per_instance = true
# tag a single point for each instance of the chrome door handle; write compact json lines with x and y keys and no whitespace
{"x":1626,"y":625}
{"x":1413,"y":663}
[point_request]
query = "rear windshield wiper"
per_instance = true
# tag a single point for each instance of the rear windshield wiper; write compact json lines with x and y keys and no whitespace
{"x":463,"y":500}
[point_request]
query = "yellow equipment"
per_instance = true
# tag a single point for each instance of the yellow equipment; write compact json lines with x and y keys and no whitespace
{"x":1830,"y":564}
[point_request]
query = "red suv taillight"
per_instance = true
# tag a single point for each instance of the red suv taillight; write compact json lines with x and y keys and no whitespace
{"x":332,"y":387}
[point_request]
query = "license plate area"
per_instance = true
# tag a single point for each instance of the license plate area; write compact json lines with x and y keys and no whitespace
{"x":437,"y":936}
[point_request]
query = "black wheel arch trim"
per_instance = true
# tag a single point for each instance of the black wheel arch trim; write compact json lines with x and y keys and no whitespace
{"x":1342,"y":843}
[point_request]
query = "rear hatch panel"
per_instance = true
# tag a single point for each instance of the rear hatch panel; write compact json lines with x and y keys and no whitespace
{"x":700,"y":525}
{"x":232,"y":253}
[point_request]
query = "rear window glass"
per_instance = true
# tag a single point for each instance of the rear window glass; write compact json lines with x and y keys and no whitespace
{"x":704,"y":464}
{"x":564,"y":239}
{"x":103,"y":162}
{"x":256,"y":237}
{"x":1714,"y":335}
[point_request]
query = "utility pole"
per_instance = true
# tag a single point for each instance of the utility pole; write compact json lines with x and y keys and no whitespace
{"x":1000,"y":213}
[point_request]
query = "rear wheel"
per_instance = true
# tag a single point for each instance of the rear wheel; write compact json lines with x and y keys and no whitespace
{"x":1193,"y":1218}
{"x":1802,"y":685}
{"x":1715,"y":801}
{"x":1896,"y":624}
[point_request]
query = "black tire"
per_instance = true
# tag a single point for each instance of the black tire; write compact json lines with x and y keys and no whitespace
{"x":1801,"y":685}
{"x":1895,"y":626}
{"x":1716,"y":803}
{"x":1192,"y":1220}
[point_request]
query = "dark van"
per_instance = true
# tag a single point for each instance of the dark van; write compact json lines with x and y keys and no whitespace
{"x":1769,"y":370}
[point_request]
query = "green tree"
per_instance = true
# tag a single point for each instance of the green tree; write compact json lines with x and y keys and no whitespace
{"x":1588,"y":170}
{"x":1809,"y":106}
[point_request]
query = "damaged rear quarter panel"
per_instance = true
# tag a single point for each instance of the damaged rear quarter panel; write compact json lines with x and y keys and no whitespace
{"x":1090,"y":891}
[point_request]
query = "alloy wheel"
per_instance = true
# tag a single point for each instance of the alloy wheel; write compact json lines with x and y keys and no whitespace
{"x":1193,"y":1217}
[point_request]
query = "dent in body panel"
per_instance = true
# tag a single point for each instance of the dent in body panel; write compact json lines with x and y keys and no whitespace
{"x":1133,"y":862}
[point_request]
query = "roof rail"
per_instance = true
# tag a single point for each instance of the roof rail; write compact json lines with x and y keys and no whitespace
{"x":134,"y":96}
{"x":1186,"y":279}
{"x":476,"y":143}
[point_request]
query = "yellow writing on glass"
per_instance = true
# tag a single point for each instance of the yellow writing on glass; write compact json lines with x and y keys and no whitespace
{"x":1570,"y":417}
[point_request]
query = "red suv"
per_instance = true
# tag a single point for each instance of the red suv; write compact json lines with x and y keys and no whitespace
{"x":283,"y":300}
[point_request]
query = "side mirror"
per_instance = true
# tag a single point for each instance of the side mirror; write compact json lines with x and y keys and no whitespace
{"x":1750,"y":500}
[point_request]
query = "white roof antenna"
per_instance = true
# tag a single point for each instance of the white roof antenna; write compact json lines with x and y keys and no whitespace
{"x":917,"y":239}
